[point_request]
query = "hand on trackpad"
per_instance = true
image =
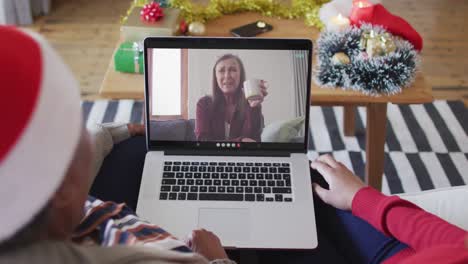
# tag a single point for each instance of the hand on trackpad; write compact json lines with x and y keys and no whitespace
{"x":227,"y":224}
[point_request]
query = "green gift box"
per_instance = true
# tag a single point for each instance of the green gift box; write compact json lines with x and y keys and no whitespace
{"x":129,"y":57}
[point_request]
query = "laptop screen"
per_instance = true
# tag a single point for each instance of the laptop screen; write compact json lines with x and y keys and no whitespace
{"x":227,"y":98}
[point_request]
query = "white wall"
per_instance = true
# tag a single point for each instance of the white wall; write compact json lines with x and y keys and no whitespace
{"x":273,"y":66}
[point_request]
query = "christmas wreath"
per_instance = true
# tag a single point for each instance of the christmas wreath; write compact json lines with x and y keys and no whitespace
{"x":367,"y":59}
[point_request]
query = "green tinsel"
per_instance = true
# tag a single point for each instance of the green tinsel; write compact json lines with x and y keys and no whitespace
{"x":297,"y":9}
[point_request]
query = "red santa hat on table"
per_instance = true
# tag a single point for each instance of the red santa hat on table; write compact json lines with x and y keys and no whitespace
{"x":41,"y":126}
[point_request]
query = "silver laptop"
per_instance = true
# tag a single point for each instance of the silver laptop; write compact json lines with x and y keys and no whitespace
{"x":226,"y":128}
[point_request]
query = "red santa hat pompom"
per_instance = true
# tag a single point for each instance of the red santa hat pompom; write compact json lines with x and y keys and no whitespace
{"x":41,"y":126}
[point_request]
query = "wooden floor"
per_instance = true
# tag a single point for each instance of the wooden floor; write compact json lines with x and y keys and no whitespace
{"x":85,"y":32}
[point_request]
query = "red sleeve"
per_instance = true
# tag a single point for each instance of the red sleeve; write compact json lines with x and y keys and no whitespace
{"x":405,"y":221}
{"x":202,"y":121}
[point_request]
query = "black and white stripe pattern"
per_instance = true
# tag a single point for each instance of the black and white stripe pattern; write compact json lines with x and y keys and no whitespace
{"x":426,"y":145}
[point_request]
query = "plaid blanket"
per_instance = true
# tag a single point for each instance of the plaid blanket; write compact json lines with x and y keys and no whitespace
{"x":109,"y":224}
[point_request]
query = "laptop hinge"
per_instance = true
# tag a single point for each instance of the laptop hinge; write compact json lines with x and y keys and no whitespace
{"x":181,"y":152}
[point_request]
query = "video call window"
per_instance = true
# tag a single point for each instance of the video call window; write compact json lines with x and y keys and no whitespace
{"x":227,"y":95}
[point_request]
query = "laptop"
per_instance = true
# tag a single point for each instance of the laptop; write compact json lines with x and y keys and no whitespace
{"x":226,"y":128}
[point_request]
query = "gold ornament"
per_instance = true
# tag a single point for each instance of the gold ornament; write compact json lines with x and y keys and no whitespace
{"x":377,"y":44}
{"x":196,"y":28}
{"x":304,"y":9}
{"x":340,"y":58}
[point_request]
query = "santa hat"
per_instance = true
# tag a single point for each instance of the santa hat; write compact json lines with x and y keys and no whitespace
{"x":41,"y":126}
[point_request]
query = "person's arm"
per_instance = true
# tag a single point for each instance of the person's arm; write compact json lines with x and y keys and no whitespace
{"x":392,"y":215}
{"x":202,"y":121}
{"x":105,"y":136}
{"x":405,"y":221}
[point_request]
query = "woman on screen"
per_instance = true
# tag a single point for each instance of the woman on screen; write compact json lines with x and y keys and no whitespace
{"x":233,"y":111}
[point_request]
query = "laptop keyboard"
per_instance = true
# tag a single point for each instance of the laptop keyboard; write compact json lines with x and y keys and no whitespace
{"x":226,"y":181}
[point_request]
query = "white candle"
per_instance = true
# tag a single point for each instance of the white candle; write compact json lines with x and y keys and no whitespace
{"x":338,"y":22}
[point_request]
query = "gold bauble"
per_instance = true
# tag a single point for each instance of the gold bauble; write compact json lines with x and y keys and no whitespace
{"x":340,"y":58}
{"x":196,"y":28}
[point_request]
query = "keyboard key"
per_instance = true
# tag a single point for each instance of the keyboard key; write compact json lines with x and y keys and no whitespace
{"x":251,"y":176}
{"x":230,"y":189}
{"x":181,"y":196}
{"x":206,"y":175}
{"x":175,"y":188}
{"x":177,"y":163}
{"x":259,"y":176}
{"x":271,"y":183}
{"x":267,"y":164}
{"x":197,"y":175}
{"x":224,"y":176}
{"x":246,"y":169}
{"x":242,"y":176}
{"x":181,"y":182}
{"x":192,"y":196}
{"x":235,"y":182}
{"x":273,"y":170}
{"x":288,"y":199}
{"x":237,"y":169}
{"x":222,"y":164}
{"x":202,"y":169}
{"x":269,"y":199}
{"x":287,"y":183}
{"x":264,"y":170}
{"x":258,"y":190}
{"x":221,"y":197}
{"x":231,"y":164}
{"x":266,"y":189}
{"x":199,"y":182}
{"x":239,"y":189}
{"x":261,"y":183}
{"x":269,"y":176}
{"x":252,"y":183}
{"x":232,"y":176}
{"x":217,"y":182}
{"x":168,"y":163}
{"x":276,"y":164}
{"x":212,"y":189}
{"x":194,"y":169}
{"x":188,"y":175}
{"x":168,"y":175}
{"x":163,"y":196}
{"x":195,"y":163}
{"x":221,"y":189}
{"x":250,"y":197}
{"x":280,"y":183}
{"x":213,"y":163}
{"x":258,"y":164}
{"x":260,"y":197}
{"x":204,"y":163}
{"x":211,"y":169}
{"x":179,"y":175}
{"x":249,"y":164}
{"x":208,"y":182}
{"x":167,"y":168}
{"x":285,"y":164}
{"x":172,"y":196}
{"x":176,"y":168}
{"x":190,"y":182}
{"x":228,"y":169}
{"x":168,"y":181}
{"x":277,"y":176}
{"x":194,"y":189}
{"x":185,"y":163}
{"x":284,"y":170}
{"x":282,"y":190}
{"x":165,"y":188}
{"x":244,"y":182}
{"x":185,"y":168}
{"x":240,"y":163}
{"x":219,"y":169}
{"x":255,"y":170}
{"x":185,"y":188}
{"x":278,"y":197}
{"x":215,"y":175}
{"x":248,"y":190}
{"x":226,"y":182}
{"x":203,"y":189}
{"x":286,"y":176}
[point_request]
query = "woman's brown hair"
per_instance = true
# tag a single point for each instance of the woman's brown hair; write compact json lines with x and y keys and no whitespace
{"x":218,"y":97}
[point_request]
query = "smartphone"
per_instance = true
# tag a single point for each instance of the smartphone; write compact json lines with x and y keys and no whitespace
{"x":252,"y":29}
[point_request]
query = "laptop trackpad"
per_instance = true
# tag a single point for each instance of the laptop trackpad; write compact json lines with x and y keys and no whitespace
{"x":227,"y":224}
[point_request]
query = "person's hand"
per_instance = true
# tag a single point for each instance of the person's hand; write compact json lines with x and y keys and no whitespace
{"x":136,"y":129}
{"x":206,"y":244}
{"x":247,"y":140}
{"x":343,"y":183}
{"x":263,"y":90}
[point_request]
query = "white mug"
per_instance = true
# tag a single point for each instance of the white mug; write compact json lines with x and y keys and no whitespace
{"x":252,"y":89}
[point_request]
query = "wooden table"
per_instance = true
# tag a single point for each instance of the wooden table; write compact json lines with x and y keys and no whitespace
{"x":130,"y":86}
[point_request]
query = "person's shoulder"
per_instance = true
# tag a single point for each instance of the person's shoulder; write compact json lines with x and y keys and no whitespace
{"x":205,"y":101}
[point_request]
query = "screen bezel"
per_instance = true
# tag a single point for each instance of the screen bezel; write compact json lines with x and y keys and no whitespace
{"x":226,"y":43}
